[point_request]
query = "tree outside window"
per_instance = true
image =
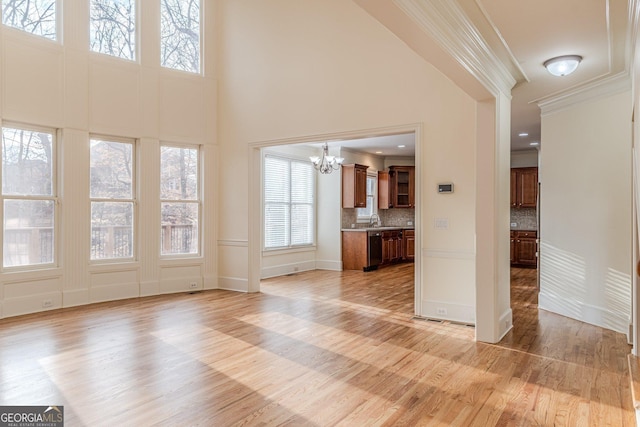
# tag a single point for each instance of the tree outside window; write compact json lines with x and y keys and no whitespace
{"x":113,"y":28}
{"x":37,"y":17}
{"x":112,"y":199}
{"x":180,"y":200}
{"x":28,"y":193}
{"x":180,"y":34}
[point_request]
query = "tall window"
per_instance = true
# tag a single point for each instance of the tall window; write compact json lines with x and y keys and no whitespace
{"x":112,"y":192}
{"x":180,"y":200}
{"x":28,"y":196}
{"x":289,"y":203}
{"x":180,"y":34}
{"x":113,"y":28}
{"x":36,"y":16}
{"x":372,"y":208}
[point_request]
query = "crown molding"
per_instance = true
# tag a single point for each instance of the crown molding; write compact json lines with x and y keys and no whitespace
{"x":451,"y":28}
{"x":602,"y":88}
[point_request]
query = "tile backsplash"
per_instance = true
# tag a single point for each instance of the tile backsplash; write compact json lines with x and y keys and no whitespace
{"x":388,"y":217}
{"x":525,"y":218}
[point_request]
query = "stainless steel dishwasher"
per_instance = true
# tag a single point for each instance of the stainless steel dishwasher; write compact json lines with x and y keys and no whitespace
{"x":374,"y":252}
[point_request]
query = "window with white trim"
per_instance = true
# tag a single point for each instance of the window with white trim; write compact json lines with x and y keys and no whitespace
{"x":289,"y":203}
{"x":180,"y":34}
{"x":113,"y":198}
{"x":28,"y":196}
{"x":113,"y":28}
{"x":180,"y":200}
{"x":364,"y":214}
{"x":37,"y":17}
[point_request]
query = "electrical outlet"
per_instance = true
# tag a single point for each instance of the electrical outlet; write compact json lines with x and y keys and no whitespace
{"x":442,"y":311}
{"x":409,"y":222}
{"x":193,"y":285}
{"x":47,"y":303}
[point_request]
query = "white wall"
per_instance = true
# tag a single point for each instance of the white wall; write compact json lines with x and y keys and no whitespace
{"x":64,"y":86}
{"x":585,"y":230}
{"x":524,"y":159}
{"x":304,"y":68}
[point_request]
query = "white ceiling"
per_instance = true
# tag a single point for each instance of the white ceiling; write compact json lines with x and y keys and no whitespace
{"x":523,"y":35}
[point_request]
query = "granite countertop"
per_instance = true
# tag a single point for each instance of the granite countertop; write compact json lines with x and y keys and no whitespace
{"x":410,"y":227}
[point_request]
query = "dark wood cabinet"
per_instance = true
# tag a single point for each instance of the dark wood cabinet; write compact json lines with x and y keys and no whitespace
{"x":391,"y":246}
{"x":408,"y":240}
{"x":524,"y":248}
{"x":354,"y":186}
{"x":524,"y":187}
{"x":396,"y":188}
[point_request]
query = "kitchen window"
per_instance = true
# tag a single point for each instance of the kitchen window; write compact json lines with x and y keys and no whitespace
{"x":364,"y":214}
{"x":289,"y":203}
{"x":28,"y":196}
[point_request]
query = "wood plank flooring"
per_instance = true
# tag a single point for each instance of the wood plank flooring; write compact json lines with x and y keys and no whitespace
{"x":313,"y":349}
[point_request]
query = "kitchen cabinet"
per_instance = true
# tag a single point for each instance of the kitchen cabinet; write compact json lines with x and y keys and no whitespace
{"x":354,"y":250}
{"x":524,"y":187}
{"x":524,"y":248}
{"x":396,"y":188}
{"x":408,"y":243}
{"x":354,"y":186}
{"x":383,"y":190}
{"x":391,"y":246}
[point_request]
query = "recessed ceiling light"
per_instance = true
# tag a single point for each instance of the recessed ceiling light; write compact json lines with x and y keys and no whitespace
{"x":378,"y":152}
{"x":523,"y":134}
{"x":534,"y":143}
{"x":401,"y":146}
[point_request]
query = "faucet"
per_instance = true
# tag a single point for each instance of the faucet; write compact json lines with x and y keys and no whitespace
{"x":377,"y":220}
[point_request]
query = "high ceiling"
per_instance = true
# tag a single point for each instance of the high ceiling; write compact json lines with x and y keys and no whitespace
{"x":522,"y":35}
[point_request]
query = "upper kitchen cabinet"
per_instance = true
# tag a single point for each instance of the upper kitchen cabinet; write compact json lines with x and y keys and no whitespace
{"x":524,"y":187}
{"x":402,"y":186}
{"x":383,"y":190}
{"x":354,"y":186}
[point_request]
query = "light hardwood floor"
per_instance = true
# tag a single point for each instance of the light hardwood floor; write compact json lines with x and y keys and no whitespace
{"x":315,"y":348}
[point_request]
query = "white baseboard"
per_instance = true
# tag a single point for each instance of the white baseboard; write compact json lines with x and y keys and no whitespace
{"x":114,"y":292}
{"x":441,"y":310}
{"x":505,"y":323}
{"x":149,"y":288}
{"x":31,"y":304}
{"x":211,"y":282}
{"x":233,"y":284}
{"x":283,"y":269}
{"x":329,"y":265}
{"x":75,"y":297}
{"x":583,"y":312}
{"x":183,"y":284}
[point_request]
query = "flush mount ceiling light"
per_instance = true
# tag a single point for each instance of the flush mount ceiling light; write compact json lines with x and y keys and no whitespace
{"x":562,"y":65}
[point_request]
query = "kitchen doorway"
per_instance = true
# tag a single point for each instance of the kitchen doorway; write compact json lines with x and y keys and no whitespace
{"x":265,"y":263}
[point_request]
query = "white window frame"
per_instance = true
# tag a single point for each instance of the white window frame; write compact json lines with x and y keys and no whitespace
{"x":289,"y":248}
{"x":135,"y":59}
{"x":54,"y":198}
{"x":200,"y":70}
{"x":58,"y":25}
{"x":199,"y":193}
{"x":373,"y":198}
{"x":134,"y":200}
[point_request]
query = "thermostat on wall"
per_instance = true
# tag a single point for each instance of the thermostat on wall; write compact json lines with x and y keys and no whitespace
{"x":445,"y":188}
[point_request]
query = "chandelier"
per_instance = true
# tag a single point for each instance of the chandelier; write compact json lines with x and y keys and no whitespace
{"x":327,"y":163}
